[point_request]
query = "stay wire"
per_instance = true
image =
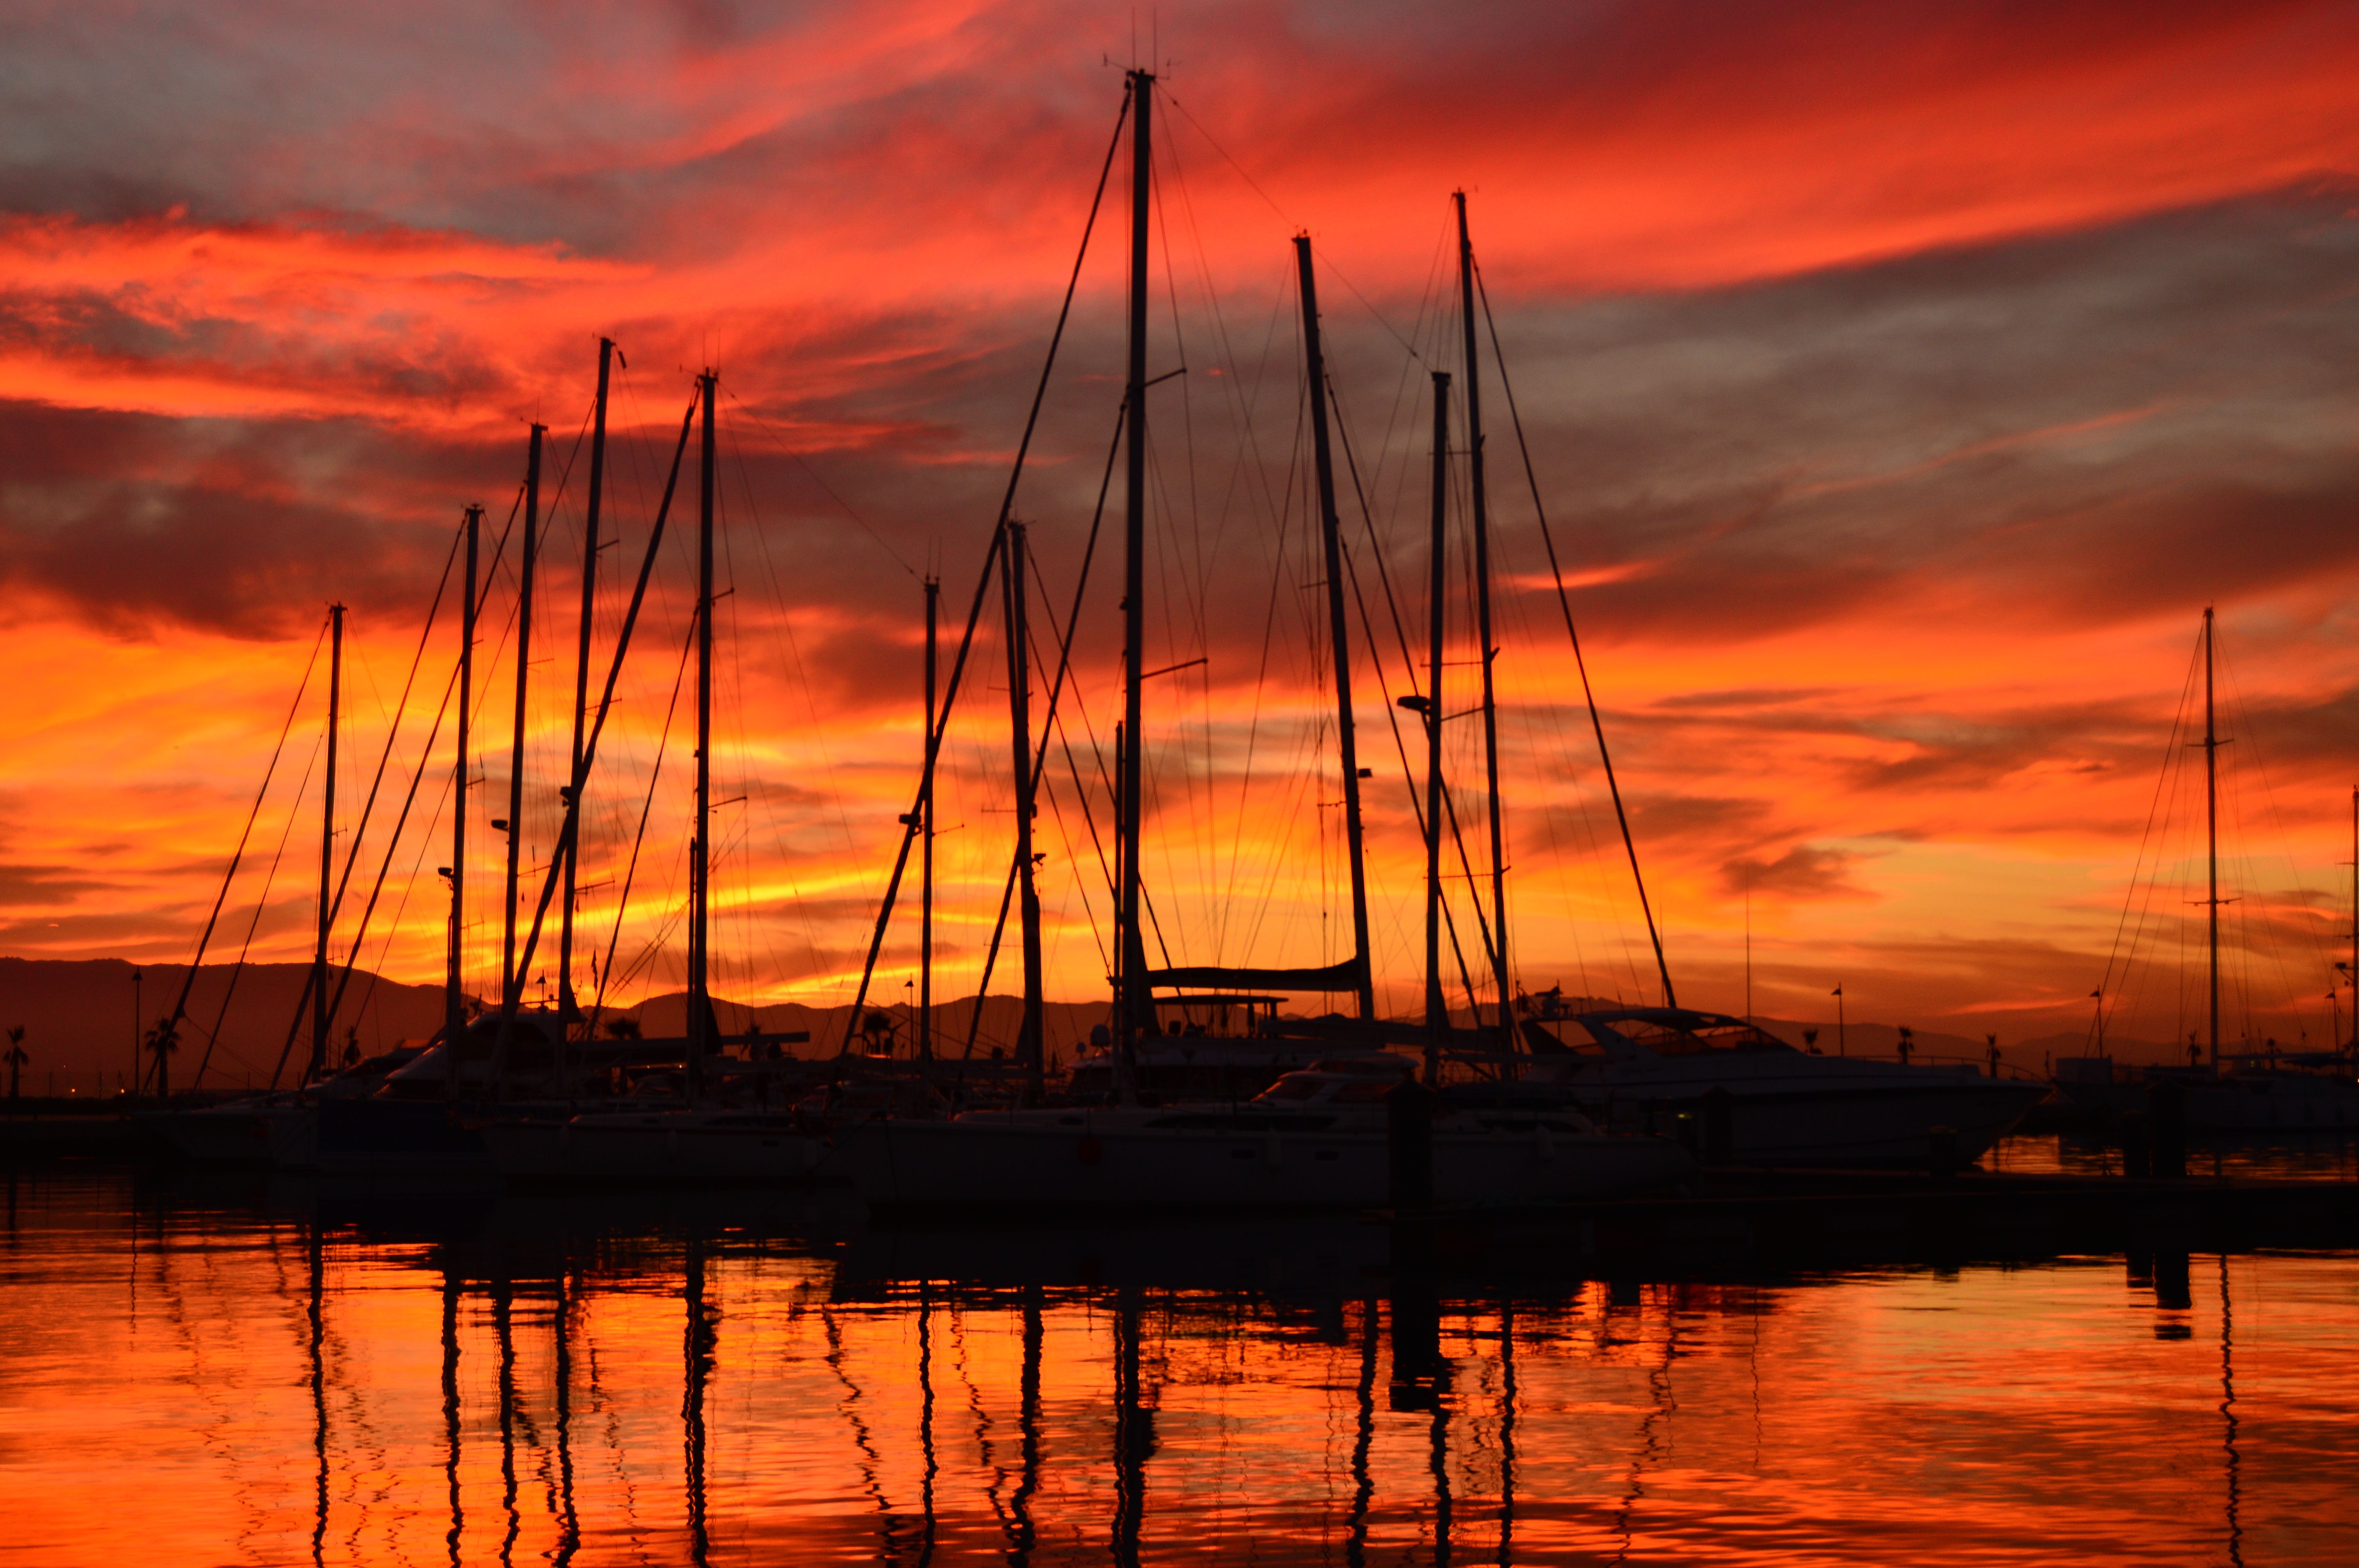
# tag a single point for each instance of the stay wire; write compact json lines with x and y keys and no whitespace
{"x":1564,"y":601}
{"x":188,"y":982}
{"x":982,"y":586}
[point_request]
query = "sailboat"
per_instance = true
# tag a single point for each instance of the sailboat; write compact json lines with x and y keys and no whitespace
{"x":2230,"y":1091}
{"x":1337,"y":1129}
{"x":698,"y":1138}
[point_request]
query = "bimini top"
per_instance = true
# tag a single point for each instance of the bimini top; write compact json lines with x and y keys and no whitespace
{"x":1658,"y":1030}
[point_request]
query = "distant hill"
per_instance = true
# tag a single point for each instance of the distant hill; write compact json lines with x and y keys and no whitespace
{"x":78,"y":1024}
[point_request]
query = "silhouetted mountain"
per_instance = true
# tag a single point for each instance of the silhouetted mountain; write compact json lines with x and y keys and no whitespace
{"x":79,"y":1023}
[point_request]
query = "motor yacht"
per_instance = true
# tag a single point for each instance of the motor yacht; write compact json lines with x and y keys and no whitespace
{"x":1639,"y":1067}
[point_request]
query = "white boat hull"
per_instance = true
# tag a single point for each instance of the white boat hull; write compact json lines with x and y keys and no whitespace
{"x":1084,"y":1163}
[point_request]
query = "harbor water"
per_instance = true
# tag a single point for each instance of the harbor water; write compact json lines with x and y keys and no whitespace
{"x":255,"y":1371}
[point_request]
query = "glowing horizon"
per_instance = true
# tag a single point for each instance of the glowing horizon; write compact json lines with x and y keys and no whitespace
{"x":1898,"y":396}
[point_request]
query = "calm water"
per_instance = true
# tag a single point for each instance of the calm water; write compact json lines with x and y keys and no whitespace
{"x":268,"y":1373}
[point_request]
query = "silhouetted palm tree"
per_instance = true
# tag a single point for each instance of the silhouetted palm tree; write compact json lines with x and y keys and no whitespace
{"x":15,"y":1057}
{"x":163,"y":1040}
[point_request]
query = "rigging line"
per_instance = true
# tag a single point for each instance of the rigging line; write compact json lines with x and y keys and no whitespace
{"x":2241,"y":709}
{"x":220,"y":1014}
{"x":352,"y":855}
{"x":181,"y":1006}
{"x":571,"y":824}
{"x":1056,"y":690}
{"x":1409,"y":776}
{"x":393,"y":843}
{"x":1564,"y":601}
{"x":393,"y":735}
{"x":781,"y":444}
{"x":983,"y":583}
{"x":655,"y":773}
{"x":499,"y":555}
{"x":1408,"y":662}
{"x":425,"y":841}
{"x":1288,"y":218}
{"x":2106,"y":981}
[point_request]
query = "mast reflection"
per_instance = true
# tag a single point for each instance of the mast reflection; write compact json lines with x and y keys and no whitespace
{"x":316,"y":1258}
{"x":702,"y":1340}
{"x":1133,"y":1431}
{"x":1363,"y":1483}
{"x":2234,"y":1462}
{"x":569,"y":1539}
{"x":1027,"y":1425}
{"x":1506,"y":1433}
{"x":451,"y":1293}
{"x":925,"y":1424}
{"x":503,"y":1329}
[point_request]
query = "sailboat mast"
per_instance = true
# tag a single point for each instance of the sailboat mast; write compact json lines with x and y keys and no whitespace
{"x":1483,"y":628}
{"x":454,"y":1005}
{"x":511,"y":982}
{"x":566,"y":1010}
{"x":2354,"y":920}
{"x":1132,"y":1006}
{"x":2212,"y":831}
{"x":1437,"y":1008}
{"x":1347,"y":742}
{"x":926,"y":836}
{"x":700,"y":847}
{"x":327,"y":846}
{"x":1019,"y":724}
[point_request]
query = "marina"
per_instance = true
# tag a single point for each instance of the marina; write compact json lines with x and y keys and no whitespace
{"x":856,"y":785}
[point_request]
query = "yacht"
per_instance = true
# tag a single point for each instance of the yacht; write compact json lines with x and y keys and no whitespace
{"x":1641,"y":1066}
{"x":1319,"y":1138}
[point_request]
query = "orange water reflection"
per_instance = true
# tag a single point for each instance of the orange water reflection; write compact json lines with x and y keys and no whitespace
{"x":271,"y":1376}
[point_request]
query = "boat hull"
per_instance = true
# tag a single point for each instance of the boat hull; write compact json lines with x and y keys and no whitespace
{"x":655,"y":1147}
{"x":256,"y":1136}
{"x":1897,"y":1122}
{"x":978,"y":1161}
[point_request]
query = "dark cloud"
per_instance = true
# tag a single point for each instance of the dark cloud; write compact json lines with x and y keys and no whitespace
{"x":46,"y":887}
{"x":1807,"y":872}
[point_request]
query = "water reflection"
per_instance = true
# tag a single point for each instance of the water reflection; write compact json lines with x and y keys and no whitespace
{"x":725,"y":1380}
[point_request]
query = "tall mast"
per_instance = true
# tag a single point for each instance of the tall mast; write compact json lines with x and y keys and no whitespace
{"x":925,"y":834}
{"x":1132,"y":1004}
{"x":2212,"y":831}
{"x":327,"y":846}
{"x":1437,"y":1008}
{"x":1483,"y":628}
{"x":571,"y":848}
{"x":700,"y":847}
{"x":1019,"y":724}
{"x":1331,"y":528}
{"x":2354,"y":920}
{"x":454,"y":1005}
{"x":511,"y":982}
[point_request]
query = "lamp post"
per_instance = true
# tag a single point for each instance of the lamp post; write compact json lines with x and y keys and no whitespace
{"x":1840,"y":1048}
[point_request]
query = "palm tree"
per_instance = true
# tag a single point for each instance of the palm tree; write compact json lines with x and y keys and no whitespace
{"x":16,"y":1058}
{"x":163,"y":1040}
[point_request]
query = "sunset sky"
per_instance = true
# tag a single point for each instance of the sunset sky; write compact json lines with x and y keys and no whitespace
{"x":1901,"y":383}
